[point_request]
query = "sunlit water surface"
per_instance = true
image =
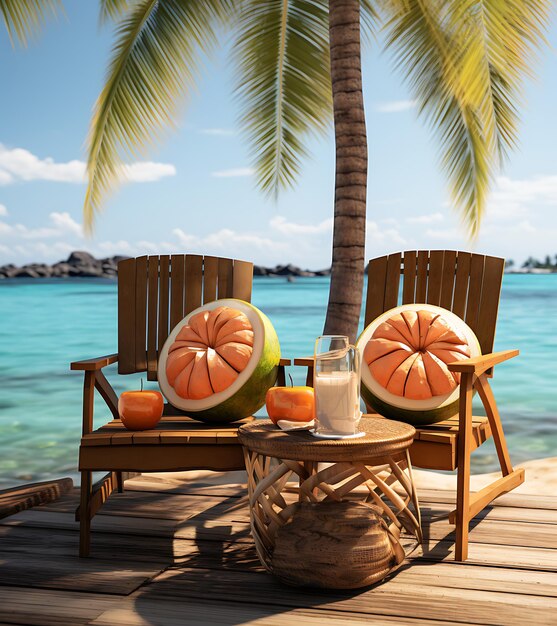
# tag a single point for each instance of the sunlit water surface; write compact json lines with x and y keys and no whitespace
{"x":45,"y":325}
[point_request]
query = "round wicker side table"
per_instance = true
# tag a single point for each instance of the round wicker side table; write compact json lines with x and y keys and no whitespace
{"x":358,"y":472}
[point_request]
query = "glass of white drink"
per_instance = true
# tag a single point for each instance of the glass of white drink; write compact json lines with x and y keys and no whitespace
{"x":336,"y":381}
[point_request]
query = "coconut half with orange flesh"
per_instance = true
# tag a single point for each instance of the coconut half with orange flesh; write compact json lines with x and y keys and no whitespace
{"x":405,"y":353}
{"x":219,"y":361}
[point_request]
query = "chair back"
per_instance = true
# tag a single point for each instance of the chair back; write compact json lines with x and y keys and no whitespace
{"x":156,"y":292}
{"x":467,"y":284}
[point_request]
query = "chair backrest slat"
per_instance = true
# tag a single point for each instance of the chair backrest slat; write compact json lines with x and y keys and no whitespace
{"x":225,"y":284}
{"x":474,"y":290}
{"x":242,"y":280}
{"x":435,"y":273}
{"x":467,"y":284}
{"x":126,"y":316}
{"x":489,"y":303}
{"x":140,"y":312}
{"x":463,"y":265}
{"x":409,"y":282}
{"x":448,"y":279}
{"x":376,"y":288}
{"x":193,"y":282}
{"x":392,"y":281}
{"x":164,"y":299}
{"x":152,"y":316}
{"x":177,"y":268}
{"x":155,"y":293}
{"x":421,"y":276}
{"x":210,"y":277}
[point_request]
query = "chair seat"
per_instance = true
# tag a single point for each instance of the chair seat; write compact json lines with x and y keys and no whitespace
{"x":177,"y":443}
{"x":435,"y":446}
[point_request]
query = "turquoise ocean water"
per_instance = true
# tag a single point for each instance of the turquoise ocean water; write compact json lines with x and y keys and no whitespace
{"x":44,"y":325}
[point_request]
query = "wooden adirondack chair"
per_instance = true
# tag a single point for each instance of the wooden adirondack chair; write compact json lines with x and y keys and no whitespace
{"x":154,"y":294}
{"x":469,"y":285}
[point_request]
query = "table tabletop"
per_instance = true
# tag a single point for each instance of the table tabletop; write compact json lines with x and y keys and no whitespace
{"x":383,"y":438}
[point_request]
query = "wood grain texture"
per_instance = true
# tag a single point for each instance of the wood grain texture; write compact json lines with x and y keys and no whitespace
{"x":193,"y":282}
{"x":435,"y":276}
{"x":24,"y":497}
{"x":392,"y":281}
{"x":226,"y":278}
{"x":126,"y":316}
{"x":376,"y":280}
{"x":177,"y":281}
{"x":409,"y":283}
{"x":141,"y":314}
{"x":210,"y":277}
{"x":152,"y":316}
{"x":242,"y":280}
{"x":185,"y":552}
{"x":164,"y":301}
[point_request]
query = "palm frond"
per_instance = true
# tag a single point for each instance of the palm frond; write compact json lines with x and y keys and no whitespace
{"x":502,"y":39}
{"x":465,"y":61}
{"x":113,"y":9}
{"x":154,"y":62}
{"x":371,"y":20}
{"x":23,"y":18}
{"x":283,"y":83}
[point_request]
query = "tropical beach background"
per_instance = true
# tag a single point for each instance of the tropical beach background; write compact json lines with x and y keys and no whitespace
{"x":59,"y":320}
{"x":197,"y":194}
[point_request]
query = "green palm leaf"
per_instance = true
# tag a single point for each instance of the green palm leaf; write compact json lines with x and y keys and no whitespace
{"x":23,"y":18}
{"x":283,"y":82}
{"x":465,"y":61}
{"x":154,"y":62}
{"x":113,"y":9}
{"x":503,"y":38}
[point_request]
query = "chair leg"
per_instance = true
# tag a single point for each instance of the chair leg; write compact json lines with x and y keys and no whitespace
{"x":462,"y":508}
{"x":463,"y":467}
{"x":120,"y":482}
{"x":85,"y":514}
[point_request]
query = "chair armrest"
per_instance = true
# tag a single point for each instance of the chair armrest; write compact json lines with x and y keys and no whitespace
{"x":304,"y":361}
{"x":92,"y":365}
{"x":479,"y":364}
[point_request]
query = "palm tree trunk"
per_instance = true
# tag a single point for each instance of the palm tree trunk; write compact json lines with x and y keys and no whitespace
{"x":347,"y":277}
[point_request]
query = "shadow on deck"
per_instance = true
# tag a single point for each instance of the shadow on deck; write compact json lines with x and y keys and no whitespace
{"x":171,"y":552}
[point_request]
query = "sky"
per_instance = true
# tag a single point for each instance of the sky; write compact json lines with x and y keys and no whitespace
{"x":195,"y":191}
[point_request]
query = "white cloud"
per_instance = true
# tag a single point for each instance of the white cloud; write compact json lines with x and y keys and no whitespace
{"x":61,"y":224}
{"x":147,"y":171}
{"x":65,"y":223}
{"x":3,"y":210}
{"x":517,"y":198}
{"x":235,"y":172}
{"x":375,"y":234}
{"x":426,"y":219}
{"x":20,"y":164}
{"x":217,"y":132}
{"x":228,"y":240}
{"x":17,"y":163}
{"x":395,"y":106}
{"x":447,"y":233}
{"x":281,"y":224}
{"x":5,"y":178}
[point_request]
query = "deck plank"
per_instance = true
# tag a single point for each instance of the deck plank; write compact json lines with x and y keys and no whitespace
{"x":21,"y":605}
{"x":170,"y":552}
{"x":136,"y":612}
{"x":392,"y":598}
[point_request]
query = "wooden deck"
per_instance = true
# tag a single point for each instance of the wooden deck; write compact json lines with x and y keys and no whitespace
{"x":170,"y":552}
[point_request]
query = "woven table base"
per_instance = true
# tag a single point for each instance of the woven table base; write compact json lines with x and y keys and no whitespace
{"x":273,"y":505}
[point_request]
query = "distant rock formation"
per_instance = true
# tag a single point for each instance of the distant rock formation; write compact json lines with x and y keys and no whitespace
{"x":78,"y":265}
{"x":287,"y":270}
{"x":84,"y":265}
